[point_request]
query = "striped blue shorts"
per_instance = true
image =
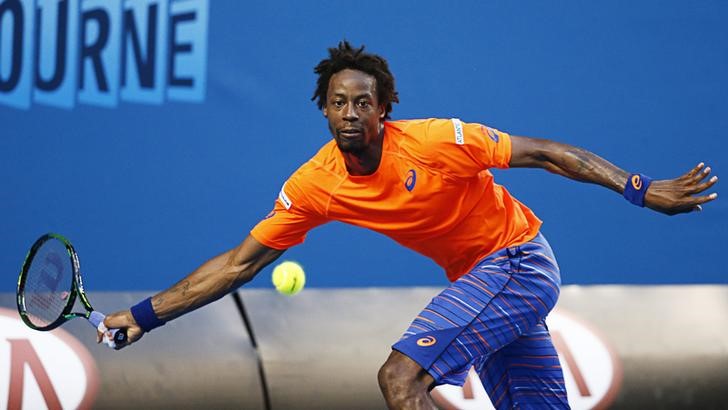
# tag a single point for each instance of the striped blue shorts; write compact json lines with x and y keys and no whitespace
{"x":492,"y":319}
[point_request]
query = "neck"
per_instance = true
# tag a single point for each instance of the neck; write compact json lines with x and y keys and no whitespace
{"x":367,"y":161}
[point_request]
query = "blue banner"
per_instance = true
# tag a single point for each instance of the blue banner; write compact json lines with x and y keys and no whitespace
{"x":155,"y":133}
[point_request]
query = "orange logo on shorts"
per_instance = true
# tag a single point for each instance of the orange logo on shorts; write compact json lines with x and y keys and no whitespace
{"x":636,"y":182}
{"x":426,"y":341}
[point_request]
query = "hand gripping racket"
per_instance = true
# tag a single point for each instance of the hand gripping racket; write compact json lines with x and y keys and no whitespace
{"x":48,"y":286}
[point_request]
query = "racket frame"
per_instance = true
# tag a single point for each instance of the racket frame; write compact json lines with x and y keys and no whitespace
{"x":76,"y":285}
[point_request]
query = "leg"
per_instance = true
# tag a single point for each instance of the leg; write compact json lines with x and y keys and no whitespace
{"x":447,"y":337}
{"x":405,"y":384}
{"x":526,"y":374}
{"x":506,"y":295}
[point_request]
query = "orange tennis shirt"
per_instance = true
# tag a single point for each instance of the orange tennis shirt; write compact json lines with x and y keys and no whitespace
{"x":432,"y":193}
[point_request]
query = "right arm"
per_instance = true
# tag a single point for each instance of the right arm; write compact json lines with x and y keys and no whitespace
{"x":211,"y":281}
{"x":670,"y":196}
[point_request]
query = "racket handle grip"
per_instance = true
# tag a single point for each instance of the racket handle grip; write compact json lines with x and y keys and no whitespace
{"x":117,"y":335}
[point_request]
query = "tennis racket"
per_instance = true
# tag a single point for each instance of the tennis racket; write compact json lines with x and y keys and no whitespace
{"x":50,"y":282}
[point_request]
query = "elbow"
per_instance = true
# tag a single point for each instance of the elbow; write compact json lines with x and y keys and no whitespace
{"x":546,"y":156}
{"x":240,"y":274}
{"x":534,"y":153}
{"x":558,"y":158}
{"x":245,"y":261}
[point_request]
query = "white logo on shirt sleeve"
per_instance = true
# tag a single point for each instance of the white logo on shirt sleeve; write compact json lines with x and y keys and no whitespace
{"x":284,"y":198}
{"x":459,"y":139}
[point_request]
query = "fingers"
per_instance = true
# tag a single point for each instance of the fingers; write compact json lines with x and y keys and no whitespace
{"x":676,"y":196}
{"x":702,"y":175}
{"x":699,"y":200}
{"x":707,"y":198}
{"x":133,"y":334}
{"x":124,"y":320}
{"x":120,"y":346}
{"x":693,"y":172}
{"x":704,"y":185}
{"x":696,"y":178}
{"x":118,"y":320}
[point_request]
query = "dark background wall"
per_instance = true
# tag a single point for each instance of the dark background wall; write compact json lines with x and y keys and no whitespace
{"x":149,"y":182}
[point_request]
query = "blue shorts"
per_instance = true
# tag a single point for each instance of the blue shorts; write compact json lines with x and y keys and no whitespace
{"x":492,"y":319}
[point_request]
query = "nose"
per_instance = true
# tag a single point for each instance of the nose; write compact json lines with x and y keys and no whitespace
{"x":350,"y":113}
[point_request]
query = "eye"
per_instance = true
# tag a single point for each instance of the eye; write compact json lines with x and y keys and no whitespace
{"x":337,"y":103}
{"x":364,"y":104}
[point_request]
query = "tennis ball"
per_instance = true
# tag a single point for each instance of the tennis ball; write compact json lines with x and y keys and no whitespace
{"x":288,"y":278}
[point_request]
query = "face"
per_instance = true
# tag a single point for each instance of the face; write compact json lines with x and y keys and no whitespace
{"x":354,"y":114}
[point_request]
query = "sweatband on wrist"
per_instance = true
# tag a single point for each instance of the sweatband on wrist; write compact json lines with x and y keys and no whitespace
{"x":144,"y":315}
{"x":636,"y":188}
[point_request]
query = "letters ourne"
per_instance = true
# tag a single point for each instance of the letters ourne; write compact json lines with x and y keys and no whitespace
{"x":102,"y":51}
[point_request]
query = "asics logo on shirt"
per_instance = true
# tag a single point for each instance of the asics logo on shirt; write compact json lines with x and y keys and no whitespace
{"x":426,"y":341}
{"x":636,"y":182}
{"x":492,"y":134}
{"x":411,"y":180}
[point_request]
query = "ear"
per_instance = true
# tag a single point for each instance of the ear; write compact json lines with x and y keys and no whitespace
{"x":325,"y":111}
{"x":382,"y":111}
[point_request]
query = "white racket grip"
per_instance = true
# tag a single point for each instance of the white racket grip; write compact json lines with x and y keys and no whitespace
{"x":97,"y":320}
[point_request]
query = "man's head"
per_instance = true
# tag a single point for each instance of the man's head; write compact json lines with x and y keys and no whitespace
{"x":355,"y":91}
{"x":345,"y":56}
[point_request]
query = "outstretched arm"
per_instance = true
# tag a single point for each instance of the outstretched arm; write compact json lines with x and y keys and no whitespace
{"x":670,"y":196}
{"x":211,"y":281}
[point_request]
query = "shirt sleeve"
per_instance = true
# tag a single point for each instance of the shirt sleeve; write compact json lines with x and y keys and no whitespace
{"x":289,"y":221}
{"x":464,"y":149}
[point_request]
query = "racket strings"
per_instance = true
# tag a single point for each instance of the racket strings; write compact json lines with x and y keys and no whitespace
{"x":48,"y":284}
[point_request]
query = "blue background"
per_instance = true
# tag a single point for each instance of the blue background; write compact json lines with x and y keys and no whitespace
{"x":148,"y":192}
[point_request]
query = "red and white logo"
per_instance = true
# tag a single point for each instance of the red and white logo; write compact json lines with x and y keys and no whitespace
{"x":43,"y":370}
{"x":592,"y":370}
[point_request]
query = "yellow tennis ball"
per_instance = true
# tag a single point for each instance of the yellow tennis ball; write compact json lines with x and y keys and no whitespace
{"x":288,"y":278}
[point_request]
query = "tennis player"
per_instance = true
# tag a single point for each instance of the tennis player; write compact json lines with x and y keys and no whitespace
{"x":425,"y":184}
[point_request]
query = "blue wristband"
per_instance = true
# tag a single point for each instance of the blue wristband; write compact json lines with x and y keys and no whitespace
{"x":144,"y":315}
{"x":636,"y":188}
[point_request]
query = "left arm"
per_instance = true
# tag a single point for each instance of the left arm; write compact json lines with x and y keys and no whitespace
{"x":670,"y":196}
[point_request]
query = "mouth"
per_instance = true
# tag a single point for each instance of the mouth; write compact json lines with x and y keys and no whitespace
{"x":351,"y":132}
